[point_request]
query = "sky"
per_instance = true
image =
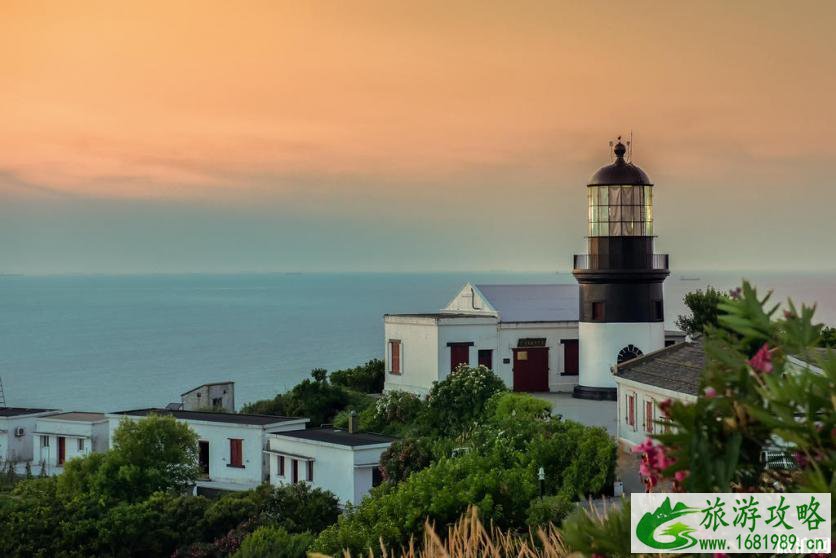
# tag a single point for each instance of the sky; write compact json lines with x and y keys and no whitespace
{"x":156,"y":137}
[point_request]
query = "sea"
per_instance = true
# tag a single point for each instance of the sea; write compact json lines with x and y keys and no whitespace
{"x":117,"y":342}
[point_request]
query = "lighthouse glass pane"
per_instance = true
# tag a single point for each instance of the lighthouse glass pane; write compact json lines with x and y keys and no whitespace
{"x":620,"y":210}
{"x":602,"y":196}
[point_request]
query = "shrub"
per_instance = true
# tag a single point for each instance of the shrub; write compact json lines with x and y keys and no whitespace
{"x":591,"y":533}
{"x":367,"y":378}
{"x":549,"y":509}
{"x":752,"y":403}
{"x":316,"y":399}
{"x":298,"y":508}
{"x":459,"y":400}
{"x":405,"y":457}
{"x":274,"y":542}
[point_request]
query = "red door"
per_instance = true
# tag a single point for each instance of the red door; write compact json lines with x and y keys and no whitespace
{"x":459,"y":354}
{"x":570,"y":357}
{"x":531,"y":369}
{"x":62,"y":449}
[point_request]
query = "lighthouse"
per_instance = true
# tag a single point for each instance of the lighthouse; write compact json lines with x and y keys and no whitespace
{"x":622,"y":313}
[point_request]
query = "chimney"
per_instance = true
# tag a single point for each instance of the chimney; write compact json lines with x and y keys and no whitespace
{"x":352,"y":422}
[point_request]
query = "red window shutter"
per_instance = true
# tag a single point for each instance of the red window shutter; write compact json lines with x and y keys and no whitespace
{"x":648,"y":416}
{"x":631,"y":410}
{"x":396,"y":356}
{"x":310,"y":471}
{"x":235,"y":452}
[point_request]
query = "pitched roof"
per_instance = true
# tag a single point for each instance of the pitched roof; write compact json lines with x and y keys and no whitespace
{"x":338,"y":437}
{"x":533,"y":303}
{"x":229,"y":418}
{"x":19,"y":411}
{"x":677,"y":368}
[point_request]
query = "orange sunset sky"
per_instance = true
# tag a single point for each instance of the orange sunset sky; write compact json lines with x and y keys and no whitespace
{"x":256,"y":136}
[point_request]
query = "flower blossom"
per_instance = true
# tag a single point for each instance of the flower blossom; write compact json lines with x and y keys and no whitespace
{"x":710,"y":392}
{"x":762,"y":361}
{"x":654,"y":461}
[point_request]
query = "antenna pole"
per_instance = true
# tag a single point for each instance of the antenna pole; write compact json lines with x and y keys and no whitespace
{"x":631,"y":145}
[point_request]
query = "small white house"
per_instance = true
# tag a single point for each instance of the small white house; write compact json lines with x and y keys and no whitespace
{"x":62,"y":436}
{"x":526,"y":334}
{"x":230,"y":446}
{"x":673,"y":373}
{"x":343,"y":462}
{"x":16,"y":426}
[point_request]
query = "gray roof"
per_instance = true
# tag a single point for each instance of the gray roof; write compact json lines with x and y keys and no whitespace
{"x":78,"y":416}
{"x":20,"y":411}
{"x":677,"y":368}
{"x":338,"y":437}
{"x":229,"y":418}
{"x":533,"y":303}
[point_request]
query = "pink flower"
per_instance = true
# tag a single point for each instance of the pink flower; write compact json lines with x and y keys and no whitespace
{"x":721,"y":555}
{"x":734,"y":294}
{"x":680,"y":476}
{"x":762,"y":361}
{"x":710,"y":392}
{"x":800,"y":459}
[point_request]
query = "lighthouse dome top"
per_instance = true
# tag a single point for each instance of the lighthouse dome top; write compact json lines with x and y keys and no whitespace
{"x":619,"y":173}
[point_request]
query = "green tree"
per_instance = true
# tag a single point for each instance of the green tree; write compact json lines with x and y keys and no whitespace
{"x":366,"y":378}
{"x":274,"y":542}
{"x":156,"y":453}
{"x":316,"y":399}
{"x":704,"y":307}
{"x":299,"y":508}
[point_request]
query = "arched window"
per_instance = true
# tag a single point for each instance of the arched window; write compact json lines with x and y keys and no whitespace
{"x":629,"y":353}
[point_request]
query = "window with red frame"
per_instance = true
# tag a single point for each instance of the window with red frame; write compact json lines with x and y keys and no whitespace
{"x":648,"y":417}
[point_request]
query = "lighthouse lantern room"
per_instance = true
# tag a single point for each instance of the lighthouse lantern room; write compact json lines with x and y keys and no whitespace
{"x":620,"y":278}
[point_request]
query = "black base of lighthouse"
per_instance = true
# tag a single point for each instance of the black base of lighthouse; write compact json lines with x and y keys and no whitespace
{"x":595,"y":393}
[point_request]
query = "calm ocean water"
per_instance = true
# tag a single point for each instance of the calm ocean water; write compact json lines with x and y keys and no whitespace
{"x":104,"y":343}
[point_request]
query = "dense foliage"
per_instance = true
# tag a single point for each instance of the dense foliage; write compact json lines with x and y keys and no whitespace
{"x":753,"y":402}
{"x":705,"y":310}
{"x":129,"y":502}
{"x":317,"y":399}
{"x":495,"y":468}
{"x":274,"y":542}
{"x":367,"y":378}
{"x":454,"y":404}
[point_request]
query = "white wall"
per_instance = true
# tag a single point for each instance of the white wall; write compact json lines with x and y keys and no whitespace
{"x":94,"y":437}
{"x":419,"y":353}
{"x":425,"y":354}
{"x":600,"y":344}
{"x":218,"y":435}
{"x":469,"y":300}
{"x":345,"y":471}
{"x":509,"y":336}
{"x":633,"y":435}
{"x":13,"y":448}
{"x":482,"y":332}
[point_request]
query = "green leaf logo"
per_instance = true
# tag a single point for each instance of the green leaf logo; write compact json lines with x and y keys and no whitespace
{"x":680,"y":532}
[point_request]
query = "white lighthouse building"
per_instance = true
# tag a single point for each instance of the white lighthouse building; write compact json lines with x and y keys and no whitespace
{"x":621,"y":304}
{"x":560,"y":337}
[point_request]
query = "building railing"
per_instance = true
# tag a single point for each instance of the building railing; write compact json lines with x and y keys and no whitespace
{"x":619,"y":261}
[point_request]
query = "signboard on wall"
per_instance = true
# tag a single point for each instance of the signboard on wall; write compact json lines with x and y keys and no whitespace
{"x":532,"y":342}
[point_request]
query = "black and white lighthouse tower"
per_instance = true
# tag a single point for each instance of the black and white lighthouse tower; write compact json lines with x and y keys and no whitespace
{"x":621,"y":303}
